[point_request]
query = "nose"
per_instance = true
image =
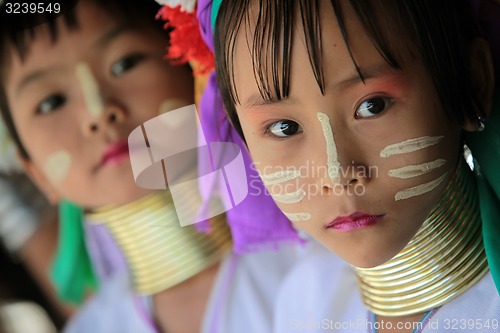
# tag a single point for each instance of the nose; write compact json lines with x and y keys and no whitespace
{"x":101,"y":111}
{"x":111,"y":115}
{"x":339,"y":172}
{"x":349,"y":175}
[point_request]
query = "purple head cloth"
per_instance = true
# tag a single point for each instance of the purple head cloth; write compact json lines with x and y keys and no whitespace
{"x":257,"y":222}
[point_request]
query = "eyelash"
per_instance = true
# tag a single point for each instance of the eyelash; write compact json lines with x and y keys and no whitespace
{"x":60,"y":100}
{"x":130,"y":61}
{"x":268,"y":129}
{"x":387,"y":104}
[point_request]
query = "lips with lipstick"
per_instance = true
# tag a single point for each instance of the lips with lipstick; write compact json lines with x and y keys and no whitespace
{"x":115,"y":153}
{"x":353,"y":222}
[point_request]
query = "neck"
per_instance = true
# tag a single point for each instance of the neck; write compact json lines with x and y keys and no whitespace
{"x":444,"y":259}
{"x":161,"y":254}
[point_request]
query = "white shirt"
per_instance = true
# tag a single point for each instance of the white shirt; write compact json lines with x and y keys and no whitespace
{"x":242,"y":300}
{"x":320,"y":294}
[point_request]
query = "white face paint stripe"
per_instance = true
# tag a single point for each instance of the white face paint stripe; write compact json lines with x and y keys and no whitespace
{"x":172,"y":104}
{"x":90,"y":89}
{"x":289,"y":198}
{"x":280,"y":177}
{"x":420,"y":189}
{"x":331,"y":148}
{"x":56,"y":166}
{"x":411,"y":171}
{"x":411,"y":145}
{"x":298,"y":217}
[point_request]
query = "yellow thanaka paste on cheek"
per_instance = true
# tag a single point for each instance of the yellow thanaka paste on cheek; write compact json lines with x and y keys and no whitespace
{"x":90,"y":89}
{"x":57,"y":166}
{"x":420,"y":189}
{"x":172,"y":104}
{"x":410,"y":146}
{"x":411,"y":171}
{"x":298,"y":217}
{"x":279,"y":177}
{"x":289,"y":198}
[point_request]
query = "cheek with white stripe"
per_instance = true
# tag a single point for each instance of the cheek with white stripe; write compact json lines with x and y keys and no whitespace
{"x":413,"y":171}
{"x":56,"y":166}
{"x":278,"y":180}
{"x":280,"y":177}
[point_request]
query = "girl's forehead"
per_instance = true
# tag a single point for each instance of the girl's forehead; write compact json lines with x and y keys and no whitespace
{"x":335,"y":48}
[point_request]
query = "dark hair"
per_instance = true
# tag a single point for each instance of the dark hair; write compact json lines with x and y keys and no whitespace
{"x":18,"y":35}
{"x":441,"y":31}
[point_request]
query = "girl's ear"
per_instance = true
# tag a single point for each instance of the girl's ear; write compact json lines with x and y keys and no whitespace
{"x":483,"y":77}
{"x":41,"y":181}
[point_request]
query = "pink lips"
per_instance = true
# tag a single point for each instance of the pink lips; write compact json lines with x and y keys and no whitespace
{"x":354,"y":221}
{"x":115,"y":153}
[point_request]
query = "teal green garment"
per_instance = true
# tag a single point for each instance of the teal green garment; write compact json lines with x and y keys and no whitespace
{"x":72,"y":272}
{"x":485,"y":147}
{"x":215,"y":11}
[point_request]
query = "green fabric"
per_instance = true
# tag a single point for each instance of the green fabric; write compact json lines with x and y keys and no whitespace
{"x":485,"y":147}
{"x":72,"y":272}
{"x":215,"y":11}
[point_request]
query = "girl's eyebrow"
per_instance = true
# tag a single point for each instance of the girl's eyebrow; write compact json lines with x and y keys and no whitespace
{"x":101,"y":43}
{"x":379,"y":70}
{"x":111,"y":35}
{"x":33,"y":77}
{"x":376,"y":71}
{"x":256,"y":100}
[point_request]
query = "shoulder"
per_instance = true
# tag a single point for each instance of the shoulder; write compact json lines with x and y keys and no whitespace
{"x":477,"y":310}
{"x":115,"y":309}
{"x":246,"y":288}
{"x":320,"y":289}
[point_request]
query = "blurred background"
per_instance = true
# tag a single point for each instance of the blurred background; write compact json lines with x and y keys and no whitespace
{"x":28,"y":240}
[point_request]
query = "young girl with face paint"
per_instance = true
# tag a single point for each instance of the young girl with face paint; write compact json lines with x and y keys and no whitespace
{"x":356,"y":114}
{"x":72,"y":89}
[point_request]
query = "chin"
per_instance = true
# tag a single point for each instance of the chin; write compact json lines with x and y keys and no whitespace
{"x":131,"y":196}
{"x":368,"y":259}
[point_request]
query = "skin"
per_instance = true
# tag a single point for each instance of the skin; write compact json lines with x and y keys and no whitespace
{"x":139,"y":91}
{"x":411,"y":109}
{"x":131,"y":96}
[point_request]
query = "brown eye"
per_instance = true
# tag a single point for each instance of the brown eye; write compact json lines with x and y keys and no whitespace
{"x":51,"y":104}
{"x":372,"y":107}
{"x":284,"y":128}
{"x":126,"y":64}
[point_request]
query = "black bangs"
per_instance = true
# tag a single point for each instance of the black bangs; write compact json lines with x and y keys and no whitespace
{"x":272,"y":27}
{"x":20,"y":32}
{"x":439,"y":31}
{"x":271,"y":24}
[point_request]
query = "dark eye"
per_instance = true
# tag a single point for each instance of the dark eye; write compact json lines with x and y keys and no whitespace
{"x":372,"y":107}
{"x":125,"y":64}
{"x":51,"y":103}
{"x":284,"y":128}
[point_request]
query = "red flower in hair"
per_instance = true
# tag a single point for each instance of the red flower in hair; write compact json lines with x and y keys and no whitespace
{"x":186,"y":43}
